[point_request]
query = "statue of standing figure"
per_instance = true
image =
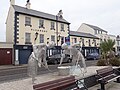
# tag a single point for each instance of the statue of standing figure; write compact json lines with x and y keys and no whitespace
{"x":38,"y":59}
{"x":75,"y":54}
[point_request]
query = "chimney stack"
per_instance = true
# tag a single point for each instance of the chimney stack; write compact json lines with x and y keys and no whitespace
{"x":28,"y":4}
{"x":12,"y":2}
{"x":60,"y":14}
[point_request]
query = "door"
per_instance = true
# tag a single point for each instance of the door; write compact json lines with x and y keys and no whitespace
{"x":23,"y":56}
{"x":5,"y":56}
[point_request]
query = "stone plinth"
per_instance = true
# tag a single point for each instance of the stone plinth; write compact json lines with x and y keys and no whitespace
{"x":63,"y":70}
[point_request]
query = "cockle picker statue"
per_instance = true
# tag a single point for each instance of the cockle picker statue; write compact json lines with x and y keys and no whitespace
{"x":75,"y":54}
{"x":38,"y":59}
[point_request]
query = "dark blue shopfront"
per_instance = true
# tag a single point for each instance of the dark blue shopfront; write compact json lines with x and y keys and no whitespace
{"x":23,"y":56}
{"x":24,"y":52}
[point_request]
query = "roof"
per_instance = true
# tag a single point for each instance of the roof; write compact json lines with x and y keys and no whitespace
{"x":95,"y":27}
{"x":81,"y":34}
{"x":37,"y":13}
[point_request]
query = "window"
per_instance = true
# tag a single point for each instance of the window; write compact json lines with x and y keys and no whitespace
{"x":62,"y":27}
{"x":52,"y":38}
{"x":94,"y":42}
{"x":52,"y":25}
{"x":27,"y":38}
{"x":75,"y":40}
{"x":83,"y":42}
{"x":41,"y":23}
{"x":95,"y":31}
{"x":62,"y":40}
{"x":41,"y":38}
{"x":89,"y":43}
{"x":27,"y":21}
{"x":118,"y":43}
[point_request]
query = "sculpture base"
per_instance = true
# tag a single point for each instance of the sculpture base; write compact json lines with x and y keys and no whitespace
{"x":64,"y":70}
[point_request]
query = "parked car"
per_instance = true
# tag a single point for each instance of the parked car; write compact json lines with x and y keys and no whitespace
{"x":117,"y":54}
{"x":55,"y":59}
{"x":93,"y":56}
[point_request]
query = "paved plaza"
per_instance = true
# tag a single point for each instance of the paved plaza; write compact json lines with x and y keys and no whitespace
{"x":26,"y":84}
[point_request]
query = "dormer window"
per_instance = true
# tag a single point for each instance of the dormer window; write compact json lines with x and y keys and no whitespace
{"x":28,"y":21}
{"x":41,"y":23}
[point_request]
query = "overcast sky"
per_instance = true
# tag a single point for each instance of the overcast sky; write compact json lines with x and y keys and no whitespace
{"x":102,"y":13}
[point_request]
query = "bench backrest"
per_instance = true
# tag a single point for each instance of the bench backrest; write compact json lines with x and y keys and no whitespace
{"x":56,"y":84}
{"x":105,"y":71}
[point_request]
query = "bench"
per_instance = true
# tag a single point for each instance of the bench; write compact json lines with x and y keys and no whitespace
{"x":106,"y":75}
{"x":66,"y":83}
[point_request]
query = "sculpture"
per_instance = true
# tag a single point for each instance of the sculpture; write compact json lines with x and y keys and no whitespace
{"x":75,"y":54}
{"x":38,"y":58}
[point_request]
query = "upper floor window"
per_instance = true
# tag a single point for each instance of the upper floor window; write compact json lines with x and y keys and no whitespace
{"x":52,"y":26}
{"x":41,"y":38}
{"x":118,"y":43}
{"x":62,"y":40}
{"x":75,"y":40}
{"x":89,"y":42}
{"x":98,"y":32}
{"x":62,"y":27}
{"x":95,"y":31}
{"x":27,"y":21}
{"x":83,"y":42}
{"x":53,"y":38}
{"x":94,"y":42}
{"x":41,"y":23}
{"x":27,"y":38}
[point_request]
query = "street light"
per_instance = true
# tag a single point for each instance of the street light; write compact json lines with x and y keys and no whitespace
{"x":59,"y":15}
{"x":58,"y":38}
{"x":57,"y":29}
{"x":36,"y":35}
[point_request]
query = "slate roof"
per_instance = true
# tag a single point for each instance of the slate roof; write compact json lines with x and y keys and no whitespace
{"x":24,"y":10}
{"x":95,"y":27}
{"x":81,"y":34}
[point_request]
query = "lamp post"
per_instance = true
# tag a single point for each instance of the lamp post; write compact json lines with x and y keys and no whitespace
{"x":36,"y":35}
{"x":59,"y":15}
{"x":57,"y":29}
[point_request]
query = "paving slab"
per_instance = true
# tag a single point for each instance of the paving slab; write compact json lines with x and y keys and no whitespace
{"x":110,"y":86}
{"x":26,"y":84}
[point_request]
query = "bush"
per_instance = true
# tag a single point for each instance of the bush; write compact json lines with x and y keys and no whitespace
{"x":101,"y":62}
{"x":115,"y":62}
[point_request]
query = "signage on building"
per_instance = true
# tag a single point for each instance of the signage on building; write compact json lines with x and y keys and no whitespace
{"x":67,"y":40}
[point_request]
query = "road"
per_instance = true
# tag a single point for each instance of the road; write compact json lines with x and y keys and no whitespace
{"x":21,"y":73}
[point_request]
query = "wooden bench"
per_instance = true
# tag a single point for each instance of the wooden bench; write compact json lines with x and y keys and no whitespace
{"x":106,"y":75}
{"x":66,"y":83}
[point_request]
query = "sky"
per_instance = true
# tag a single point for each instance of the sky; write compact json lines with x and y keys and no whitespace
{"x":102,"y":13}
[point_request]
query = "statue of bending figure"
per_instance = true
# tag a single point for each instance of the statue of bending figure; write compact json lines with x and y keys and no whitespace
{"x":75,"y":54}
{"x":38,"y":59}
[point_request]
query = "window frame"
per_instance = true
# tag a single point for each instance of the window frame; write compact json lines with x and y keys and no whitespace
{"x":41,"y":38}
{"x":53,"y":38}
{"x":52,"y":25}
{"x":27,"y":38}
{"x":62,"y":27}
{"x":41,"y":23}
{"x":28,"y":21}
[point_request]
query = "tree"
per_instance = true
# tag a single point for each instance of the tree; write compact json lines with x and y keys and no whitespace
{"x":107,"y":49}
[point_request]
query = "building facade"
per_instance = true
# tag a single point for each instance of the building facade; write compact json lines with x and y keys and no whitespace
{"x":25,"y":27}
{"x":118,"y":43}
{"x":98,"y":32}
{"x":88,"y":43}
